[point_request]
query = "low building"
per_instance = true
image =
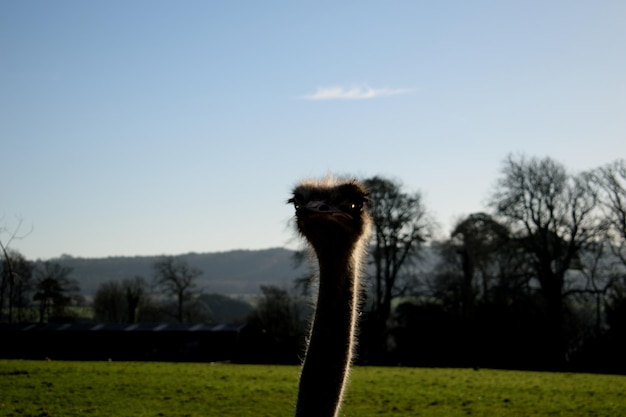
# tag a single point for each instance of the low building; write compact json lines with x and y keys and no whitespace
{"x":112,"y":341}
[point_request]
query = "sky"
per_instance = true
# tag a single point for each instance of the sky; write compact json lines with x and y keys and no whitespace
{"x":161,"y":127}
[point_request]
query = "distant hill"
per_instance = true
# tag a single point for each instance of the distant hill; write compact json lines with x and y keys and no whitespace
{"x":234,"y":273}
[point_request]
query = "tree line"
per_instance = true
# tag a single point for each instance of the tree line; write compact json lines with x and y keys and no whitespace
{"x":537,"y":280}
{"x":45,"y":292}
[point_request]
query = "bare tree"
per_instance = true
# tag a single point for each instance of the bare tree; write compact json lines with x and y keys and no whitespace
{"x":119,"y":301}
{"x":9,"y":274}
{"x":401,"y":225}
{"x":601,"y":274}
{"x":134,"y":294}
{"x":108,"y":302}
{"x":278,"y":319}
{"x":473,"y":249}
{"x":612,"y":181}
{"x":14,"y":264}
{"x":54,"y":290}
{"x":552,"y":213}
{"x":176,"y":278}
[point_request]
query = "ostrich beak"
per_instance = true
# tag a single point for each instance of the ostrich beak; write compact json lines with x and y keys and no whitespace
{"x":321,"y":207}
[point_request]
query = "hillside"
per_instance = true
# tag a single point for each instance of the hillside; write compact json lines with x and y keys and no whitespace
{"x":238,"y":272}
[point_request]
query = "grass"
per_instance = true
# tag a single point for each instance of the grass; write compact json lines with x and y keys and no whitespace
{"x":38,"y":388}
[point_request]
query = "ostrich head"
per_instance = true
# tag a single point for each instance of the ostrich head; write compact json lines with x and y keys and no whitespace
{"x":330,"y":214}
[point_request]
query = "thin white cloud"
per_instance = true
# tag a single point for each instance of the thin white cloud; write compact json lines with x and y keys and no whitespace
{"x":353,"y":93}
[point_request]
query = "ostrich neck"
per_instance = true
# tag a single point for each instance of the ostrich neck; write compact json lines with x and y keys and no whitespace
{"x":325,"y":369}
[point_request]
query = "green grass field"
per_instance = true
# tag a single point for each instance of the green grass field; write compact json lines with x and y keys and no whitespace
{"x":39,"y":388}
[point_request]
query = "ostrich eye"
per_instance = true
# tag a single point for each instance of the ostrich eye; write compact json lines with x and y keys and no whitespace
{"x":354,"y":206}
{"x":296,"y":201}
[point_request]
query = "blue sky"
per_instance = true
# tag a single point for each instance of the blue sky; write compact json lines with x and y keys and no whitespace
{"x":154,"y":127}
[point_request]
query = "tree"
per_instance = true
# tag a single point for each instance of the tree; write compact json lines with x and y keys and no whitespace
{"x":480,"y":282}
{"x":552,"y":214}
{"x":16,"y":285}
{"x":600,"y":276}
{"x":176,"y":278}
{"x":108,"y":302}
{"x":54,"y":291}
{"x":134,"y":294}
{"x":611,"y":179}
{"x":13,"y":282}
{"x":401,"y":226}
{"x":278,"y":326}
{"x":616,"y":321}
{"x":474,"y":243}
{"x":477,"y":264}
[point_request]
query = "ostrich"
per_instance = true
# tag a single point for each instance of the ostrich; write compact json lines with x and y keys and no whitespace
{"x":331,"y":215}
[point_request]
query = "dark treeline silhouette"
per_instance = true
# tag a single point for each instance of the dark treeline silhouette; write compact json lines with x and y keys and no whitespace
{"x":538,"y":282}
{"x":535,"y":281}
